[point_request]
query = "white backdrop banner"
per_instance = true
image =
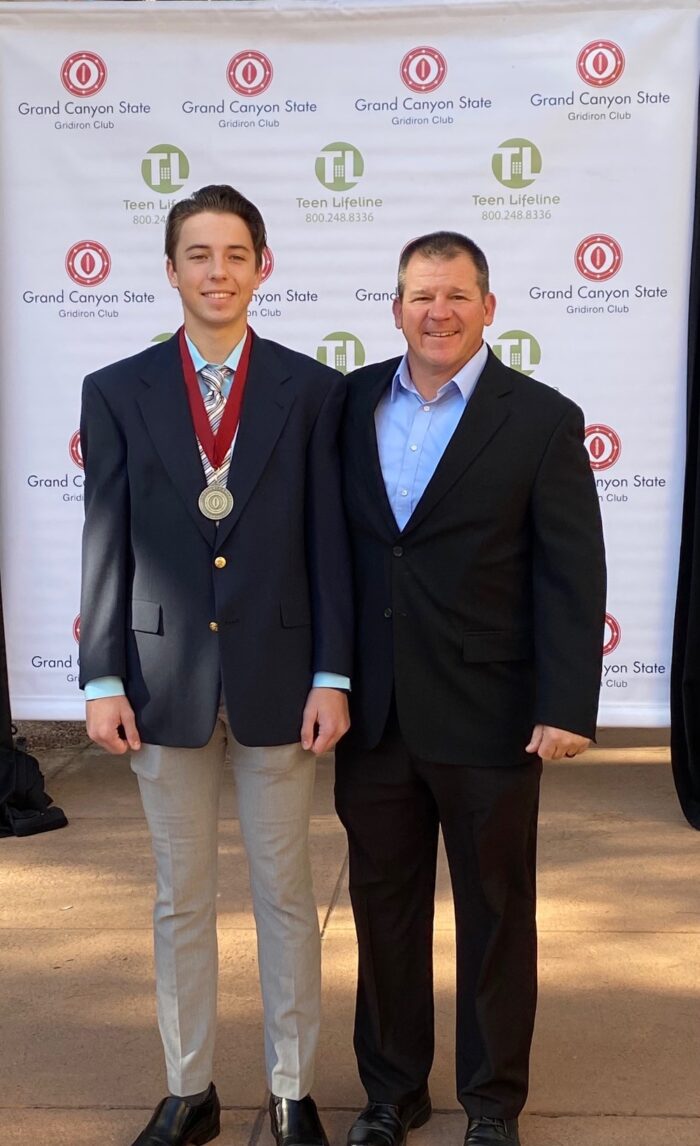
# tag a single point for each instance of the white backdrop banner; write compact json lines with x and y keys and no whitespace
{"x":559,"y":136}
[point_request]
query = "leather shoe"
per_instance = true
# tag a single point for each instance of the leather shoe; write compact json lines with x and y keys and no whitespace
{"x":177,"y":1123}
{"x":383,"y":1124}
{"x":295,"y":1122}
{"x":492,"y":1132}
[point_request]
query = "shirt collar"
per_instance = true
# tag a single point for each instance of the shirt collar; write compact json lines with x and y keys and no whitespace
{"x":465,"y":379}
{"x":198,"y":362}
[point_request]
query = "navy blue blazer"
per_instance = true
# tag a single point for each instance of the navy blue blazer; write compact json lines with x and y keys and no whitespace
{"x":157,"y":610}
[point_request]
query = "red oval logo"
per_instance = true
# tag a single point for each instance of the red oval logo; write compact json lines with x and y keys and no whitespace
{"x":612,"y":635}
{"x":76,"y":629}
{"x":598,"y":257}
{"x":423,"y":69}
{"x":604,"y":446}
{"x":84,"y":74}
{"x":249,"y":73}
{"x":600,"y":63}
{"x":75,"y":450}
{"x":88,"y":263}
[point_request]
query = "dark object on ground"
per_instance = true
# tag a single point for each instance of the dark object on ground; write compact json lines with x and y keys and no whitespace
{"x":25,"y":807}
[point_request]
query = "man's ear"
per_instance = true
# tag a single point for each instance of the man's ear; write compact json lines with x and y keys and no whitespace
{"x":171,"y":272}
{"x":489,"y":308}
{"x":397,"y":311}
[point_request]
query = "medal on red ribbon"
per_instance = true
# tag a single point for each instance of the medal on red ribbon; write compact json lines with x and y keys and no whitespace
{"x":216,"y":501}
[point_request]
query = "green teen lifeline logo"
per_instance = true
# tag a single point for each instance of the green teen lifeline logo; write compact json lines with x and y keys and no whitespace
{"x":339,"y":166}
{"x":342,"y":351}
{"x":516,"y":163}
{"x":519,"y":350}
{"x":165,"y":168}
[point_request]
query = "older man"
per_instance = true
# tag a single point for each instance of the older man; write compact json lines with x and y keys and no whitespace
{"x":480,"y":587}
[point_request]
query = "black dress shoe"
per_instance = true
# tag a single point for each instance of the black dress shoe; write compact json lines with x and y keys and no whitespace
{"x":382,"y":1124}
{"x":177,"y":1123}
{"x":295,"y":1122}
{"x":492,"y":1132}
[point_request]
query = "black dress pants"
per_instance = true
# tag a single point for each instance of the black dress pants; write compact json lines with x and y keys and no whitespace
{"x":392,"y":805}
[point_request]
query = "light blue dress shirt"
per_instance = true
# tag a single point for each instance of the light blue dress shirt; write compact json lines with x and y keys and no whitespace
{"x":413,"y":432}
{"x":231,"y":362}
{"x":112,"y":685}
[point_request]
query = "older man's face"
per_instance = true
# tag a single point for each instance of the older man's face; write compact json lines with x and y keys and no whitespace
{"x":442,"y":314}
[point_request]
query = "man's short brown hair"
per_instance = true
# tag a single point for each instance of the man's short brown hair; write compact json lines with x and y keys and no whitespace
{"x":222,"y":198}
{"x":444,"y":245}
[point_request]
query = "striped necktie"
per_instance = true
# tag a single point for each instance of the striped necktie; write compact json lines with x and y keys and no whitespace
{"x":215,"y":404}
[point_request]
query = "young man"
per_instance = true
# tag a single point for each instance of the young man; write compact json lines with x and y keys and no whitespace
{"x":215,"y":622}
{"x":480,"y":588}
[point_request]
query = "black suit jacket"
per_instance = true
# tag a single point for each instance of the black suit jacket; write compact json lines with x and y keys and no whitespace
{"x":485,"y":614}
{"x":150,"y":586}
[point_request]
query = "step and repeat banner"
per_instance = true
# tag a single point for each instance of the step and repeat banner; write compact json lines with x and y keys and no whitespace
{"x":560,"y":138}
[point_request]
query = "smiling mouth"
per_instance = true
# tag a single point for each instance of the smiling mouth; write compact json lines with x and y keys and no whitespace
{"x":440,"y":333}
{"x":218,"y":294}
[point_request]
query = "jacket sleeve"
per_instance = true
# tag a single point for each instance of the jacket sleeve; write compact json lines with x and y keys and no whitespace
{"x":569,"y":582}
{"x":327,"y":546}
{"x":105,"y":564}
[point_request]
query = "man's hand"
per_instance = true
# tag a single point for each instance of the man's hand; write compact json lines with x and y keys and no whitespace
{"x":554,"y":743}
{"x":103,"y":717}
{"x":325,"y":719}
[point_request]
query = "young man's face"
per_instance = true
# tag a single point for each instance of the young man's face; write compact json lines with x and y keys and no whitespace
{"x":442,"y":314}
{"x":214,"y":270}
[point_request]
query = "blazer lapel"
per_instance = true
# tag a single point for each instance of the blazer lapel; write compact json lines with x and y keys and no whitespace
{"x":486,"y":411}
{"x":265,"y":410}
{"x":378,"y":502}
{"x":163,"y":401}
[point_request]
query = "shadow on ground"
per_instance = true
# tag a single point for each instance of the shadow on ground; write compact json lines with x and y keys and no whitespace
{"x":616,"y":1056}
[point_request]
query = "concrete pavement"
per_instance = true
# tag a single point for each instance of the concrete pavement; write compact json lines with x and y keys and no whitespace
{"x":616,"y":1059}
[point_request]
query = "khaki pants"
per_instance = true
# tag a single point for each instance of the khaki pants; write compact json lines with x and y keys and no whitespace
{"x":180,"y":790}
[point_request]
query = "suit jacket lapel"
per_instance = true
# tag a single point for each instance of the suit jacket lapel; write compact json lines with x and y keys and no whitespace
{"x":378,"y":503}
{"x":163,"y":401}
{"x":265,"y":410}
{"x":486,"y":410}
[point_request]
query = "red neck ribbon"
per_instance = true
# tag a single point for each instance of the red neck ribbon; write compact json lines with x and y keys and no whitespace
{"x":215,"y":446}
